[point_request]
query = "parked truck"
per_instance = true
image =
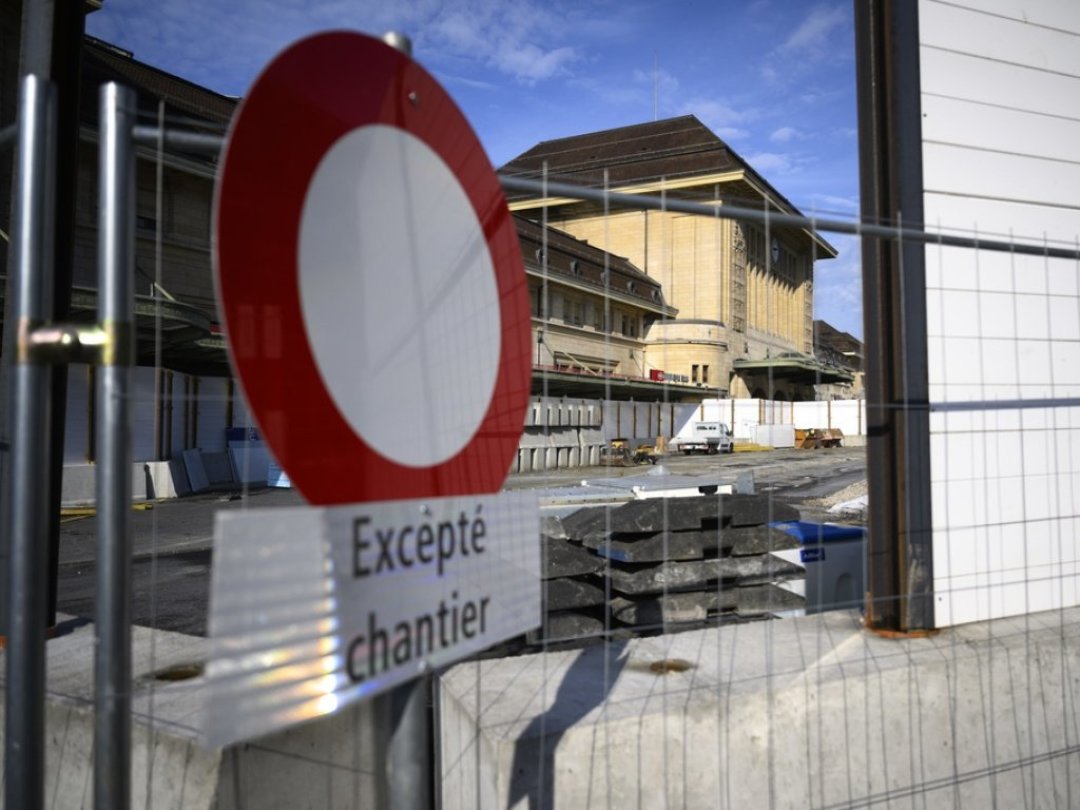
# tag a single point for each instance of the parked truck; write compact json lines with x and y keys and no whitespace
{"x":705,"y":437}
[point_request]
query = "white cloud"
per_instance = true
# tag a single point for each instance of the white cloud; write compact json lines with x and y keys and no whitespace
{"x":774,"y":162}
{"x":813,"y":32}
{"x":717,"y":111}
{"x":521,"y":41}
{"x":785,"y":135}
{"x":838,"y":286}
{"x":719,"y":116}
{"x":530,"y":63}
{"x":824,"y":202}
{"x":665,"y":83}
{"x":733,"y":133}
{"x":527,"y":41}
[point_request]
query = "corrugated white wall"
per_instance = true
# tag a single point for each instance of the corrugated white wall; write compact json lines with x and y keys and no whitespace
{"x":1000,"y":91}
{"x":744,"y":416}
{"x":209,"y":409}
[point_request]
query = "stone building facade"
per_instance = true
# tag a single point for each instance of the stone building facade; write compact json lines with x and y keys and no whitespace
{"x":744,"y":292}
{"x":591,"y":310}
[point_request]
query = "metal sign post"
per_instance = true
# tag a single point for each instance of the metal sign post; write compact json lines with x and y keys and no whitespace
{"x":24,"y":754}
{"x":112,"y":661}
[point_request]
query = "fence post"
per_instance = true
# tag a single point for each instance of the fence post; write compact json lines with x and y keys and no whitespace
{"x":29,"y":408}
{"x":112,"y":626}
{"x":899,"y":575}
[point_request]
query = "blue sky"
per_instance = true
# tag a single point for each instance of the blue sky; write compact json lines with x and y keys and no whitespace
{"x":773,"y":78}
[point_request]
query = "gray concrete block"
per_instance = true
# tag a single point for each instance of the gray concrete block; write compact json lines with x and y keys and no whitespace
{"x":751,"y":540}
{"x":664,"y":514}
{"x":567,"y":594}
{"x":702,"y":573}
{"x":652,"y":548}
{"x":586,"y":521}
{"x":751,"y":510}
{"x":697,"y":606}
{"x":566,"y":626}
{"x":565,"y":559}
{"x":325,"y":763}
{"x":78,"y":483}
{"x":638,"y":519}
{"x":551,"y":526}
{"x":688,"y":545}
{"x":807,"y":712}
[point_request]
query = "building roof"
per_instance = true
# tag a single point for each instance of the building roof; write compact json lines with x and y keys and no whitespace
{"x":671,"y":150}
{"x":200,"y":107}
{"x":831,"y":343}
{"x":576,"y":261}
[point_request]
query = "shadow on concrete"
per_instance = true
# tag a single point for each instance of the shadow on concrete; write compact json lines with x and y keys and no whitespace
{"x":582,"y":689}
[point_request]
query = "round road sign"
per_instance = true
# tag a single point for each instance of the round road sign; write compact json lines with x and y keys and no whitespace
{"x":370,"y":279}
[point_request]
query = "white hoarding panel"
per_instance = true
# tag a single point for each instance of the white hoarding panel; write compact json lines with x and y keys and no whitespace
{"x":1000,"y":83}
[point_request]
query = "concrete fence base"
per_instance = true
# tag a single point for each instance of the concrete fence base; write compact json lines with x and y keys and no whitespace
{"x":326,"y":763}
{"x":808,"y":712}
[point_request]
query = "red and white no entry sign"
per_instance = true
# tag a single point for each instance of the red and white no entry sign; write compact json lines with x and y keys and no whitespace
{"x":370,"y":278}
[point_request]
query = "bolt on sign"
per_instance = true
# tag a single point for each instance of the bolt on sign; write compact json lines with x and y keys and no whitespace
{"x":374,"y":299}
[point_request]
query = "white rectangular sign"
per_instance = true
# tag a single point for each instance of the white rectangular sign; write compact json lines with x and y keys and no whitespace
{"x":312,"y":609}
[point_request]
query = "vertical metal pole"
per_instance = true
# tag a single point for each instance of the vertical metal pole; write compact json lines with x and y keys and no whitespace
{"x":112,"y":662}
{"x":403,"y":718}
{"x":403,"y":732}
{"x":899,"y":575}
{"x":67,"y":42}
{"x":35,"y":50}
{"x":28,"y":414}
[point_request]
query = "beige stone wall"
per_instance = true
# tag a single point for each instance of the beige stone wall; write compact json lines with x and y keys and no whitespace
{"x":578,"y":349}
{"x":701,"y":264}
{"x":583,"y":331}
{"x":688,"y":255}
{"x":698,"y":350}
{"x":733,"y":299}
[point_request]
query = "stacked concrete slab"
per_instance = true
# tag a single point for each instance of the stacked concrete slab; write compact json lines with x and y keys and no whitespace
{"x":650,"y":566}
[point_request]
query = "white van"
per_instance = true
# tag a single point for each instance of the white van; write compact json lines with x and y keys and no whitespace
{"x":706,"y":437}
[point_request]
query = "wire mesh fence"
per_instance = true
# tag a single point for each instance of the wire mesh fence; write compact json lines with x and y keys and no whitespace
{"x":699,"y":646}
{"x":710,"y":629}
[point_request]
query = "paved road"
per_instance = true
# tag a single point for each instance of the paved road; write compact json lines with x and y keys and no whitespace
{"x":172,"y":541}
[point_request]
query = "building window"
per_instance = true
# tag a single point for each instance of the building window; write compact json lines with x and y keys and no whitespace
{"x":577,"y":310}
{"x":705,"y":374}
{"x":693,"y":373}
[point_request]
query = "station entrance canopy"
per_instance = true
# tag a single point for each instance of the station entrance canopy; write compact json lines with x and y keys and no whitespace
{"x":791,"y":367}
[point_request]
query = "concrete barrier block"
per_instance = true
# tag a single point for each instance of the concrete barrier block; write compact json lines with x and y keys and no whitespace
{"x":78,"y":483}
{"x":611,"y":724}
{"x":161,"y":481}
{"x":326,"y":763}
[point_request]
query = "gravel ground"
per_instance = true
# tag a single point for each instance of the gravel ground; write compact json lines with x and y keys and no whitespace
{"x":848,"y":493}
